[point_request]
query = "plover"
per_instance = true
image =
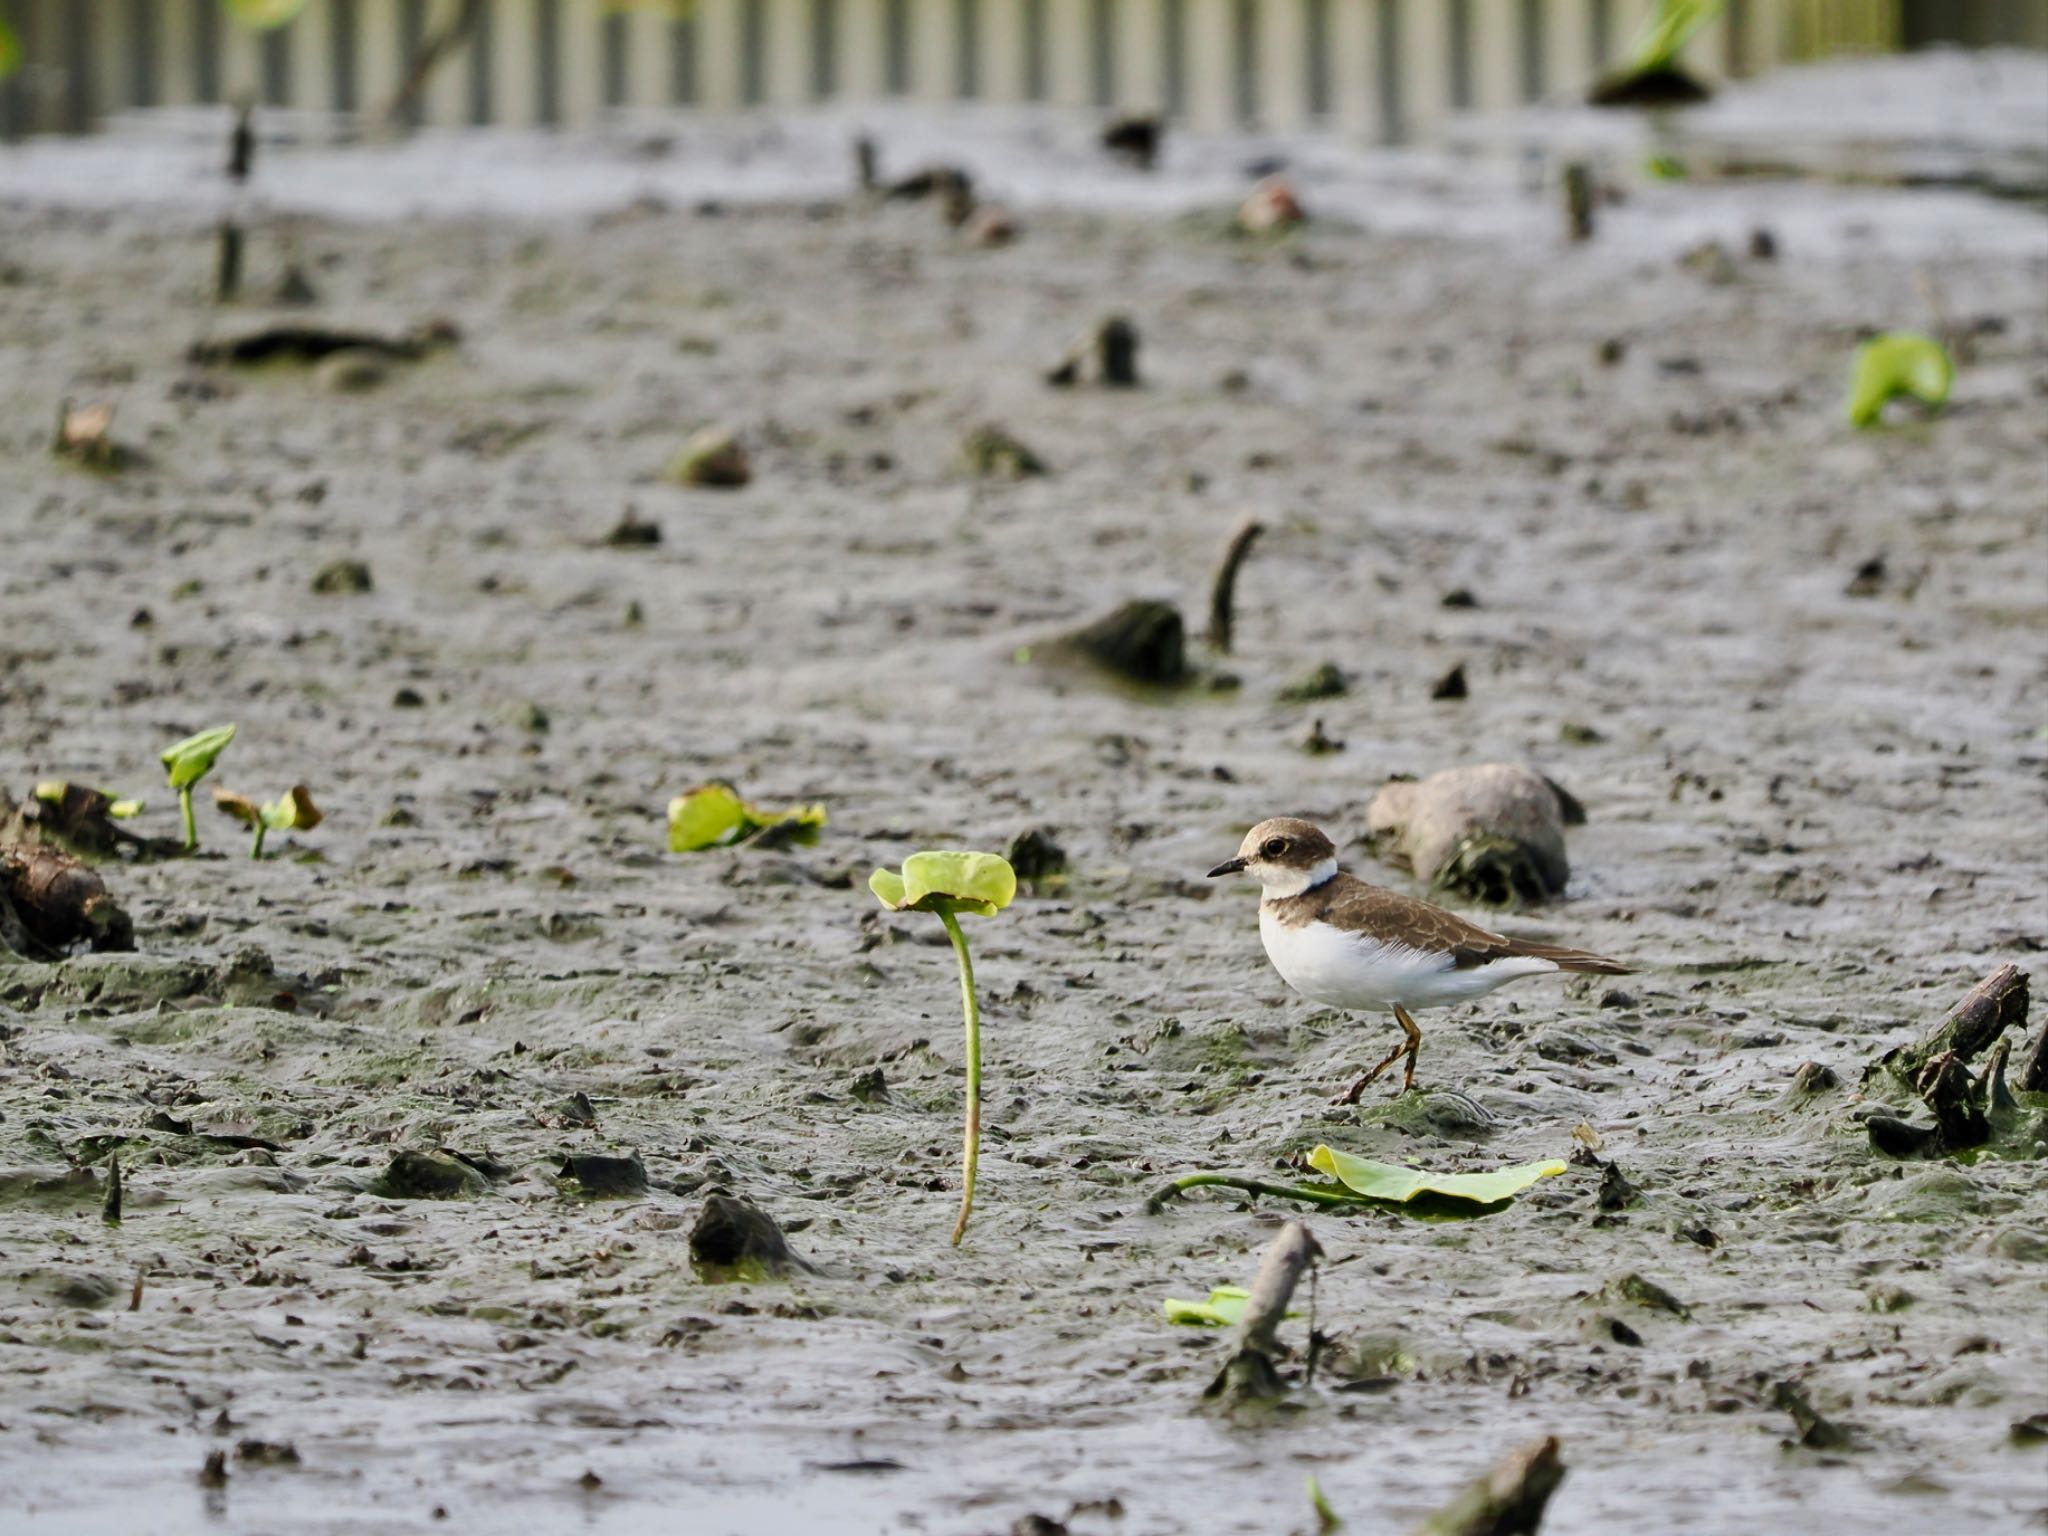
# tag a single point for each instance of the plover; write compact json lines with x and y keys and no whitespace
{"x":1339,"y":941}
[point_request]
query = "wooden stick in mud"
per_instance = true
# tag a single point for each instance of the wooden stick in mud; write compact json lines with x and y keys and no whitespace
{"x":428,"y":58}
{"x":1986,"y":1011}
{"x":1508,"y":1501}
{"x":1223,"y":586}
{"x":1250,"y":1375}
{"x":2034,"y":1075}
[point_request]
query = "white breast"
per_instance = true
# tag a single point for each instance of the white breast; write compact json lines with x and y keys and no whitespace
{"x":1342,"y":969}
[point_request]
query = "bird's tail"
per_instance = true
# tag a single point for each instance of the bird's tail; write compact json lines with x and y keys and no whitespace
{"x":1571,"y":959}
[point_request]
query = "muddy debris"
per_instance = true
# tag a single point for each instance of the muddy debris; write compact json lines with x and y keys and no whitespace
{"x":1508,"y":1501}
{"x":712,"y":459}
{"x":1997,"y":1003}
{"x":991,"y":452}
{"x":213,"y":1472}
{"x":343,"y":578}
{"x":1580,"y":195}
{"x":295,"y":290}
{"x":1639,"y":1291}
{"x":1251,"y":1377}
{"x":1106,"y":355}
{"x":869,"y":1087}
{"x":352,"y":371}
{"x":1616,"y":1193}
{"x":1324,"y":681}
{"x":1452,"y":685}
{"x":50,"y":902}
{"x":1661,"y":86}
{"x":304,"y":342}
{"x":1318,"y":743}
{"x":734,"y":1237}
{"x":1136,"y":137}
{"x":632,"y":531}
{"x":79,"y":820}
{"x":413,"y":1175}
{"x":1812,"y":1428}
{"x":267,"y":1453}
{"x":1035,"y":857}
{"x":1814,"y":1077}
{"x":1491,"y":831}
{"x":227,"y":261}
{"x":110,"y":1207}
{"x":1142,"y":641}
{"x":990,"y":226}
{"x":602,"y":1177}
{"x":85,"y":436}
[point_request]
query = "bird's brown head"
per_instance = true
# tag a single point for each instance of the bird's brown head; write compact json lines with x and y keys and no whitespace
{"x":1286,"y":855}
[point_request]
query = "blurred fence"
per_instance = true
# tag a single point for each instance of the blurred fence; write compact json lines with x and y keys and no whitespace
{"x":1384,"y":69}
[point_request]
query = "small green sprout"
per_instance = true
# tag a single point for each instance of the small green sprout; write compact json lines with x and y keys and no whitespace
{"x":1897,"y":363}
{"x":1668,"y":29}
{"x":187,"y":762}
{"x":714,"y":816}
{"x":945,"y":884}
{"x":1327,"y":1518}
{"x":292,"y":811}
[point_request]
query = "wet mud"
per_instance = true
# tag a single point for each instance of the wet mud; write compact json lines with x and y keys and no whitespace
{"x":417,"y":1115}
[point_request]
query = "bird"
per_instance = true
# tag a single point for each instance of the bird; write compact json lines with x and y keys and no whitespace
{"x":1342,"y":942}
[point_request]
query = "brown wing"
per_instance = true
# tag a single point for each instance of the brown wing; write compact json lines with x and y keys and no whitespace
{"x":1394,"y":918}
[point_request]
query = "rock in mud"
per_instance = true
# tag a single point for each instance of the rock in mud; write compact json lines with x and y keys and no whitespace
{"x":1271,"y":206}
{"x":1034,"y":856}
{"x":712,"y":458}
{"x":1815,"y":1430}
{"x":605,"y":1178}
{"x":1639,"y":1291}
{"x":1326,"y":681}
{"x":731,"y":1234}
{"x":1492,"y":831}
{"x":50,"y":902}
{"x":1507,"y":1501}
{"x":1107,"y":355}
{"x":991,"y":453}
{"x":1144,"y":641}
{"x":426,"y":1176}
{"x":343,"y":577}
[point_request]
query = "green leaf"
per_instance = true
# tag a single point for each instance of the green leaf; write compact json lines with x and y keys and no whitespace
{"x":1384,"y":1181}
{"x":1897,"y":363}
{"x":1223,"y":1309}
{"x":1669,"y":28}
{"x":292,"y":811}
{"x":10,"y":50}
{"x":122,"y":810}
{"x":240,"y":807}
{"x":888,"y":888}
{"x":190,"y":760}
{"x":971,"y":882}
{"x":263,"y":15}
{"x":714,"y":816}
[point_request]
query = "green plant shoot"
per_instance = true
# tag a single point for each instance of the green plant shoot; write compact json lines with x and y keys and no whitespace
{"x":187,"y":762}
{"x":292,"y":811}
{"x":10,"y":50}
{"x":1897,"y":363}
{"x":1668,"y":29}
{"x":946,"y":884}
{"x":263,"y":15}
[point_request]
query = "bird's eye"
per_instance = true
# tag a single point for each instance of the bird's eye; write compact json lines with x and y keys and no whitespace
{"x":1274,"y":847}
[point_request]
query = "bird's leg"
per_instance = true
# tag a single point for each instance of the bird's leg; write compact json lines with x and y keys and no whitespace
{"x":1413,"y":1046}
{"x":1350,"y":1095}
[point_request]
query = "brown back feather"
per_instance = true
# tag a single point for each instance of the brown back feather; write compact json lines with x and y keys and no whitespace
{"x":1389,"y":916}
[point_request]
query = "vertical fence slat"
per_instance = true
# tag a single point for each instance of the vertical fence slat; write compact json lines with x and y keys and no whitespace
{"x":1280,"y":58}
{"x":581,"y":40}
{"x":787,"y":51}
{"x":311,"y":40}
{"x":718,"y":54}
{"x":1424,"y":66}
{"x":1567,"y":48}
{"x":1495,"y":52}
{"x":1070,"y":60}
{"x":447,"y":102}
{"x":649,"y":57}
{"x":1141,"y":55}
{"x":862,"y":71}
{"x":1003,"y":50}
{"x":1355,"y":65}
{"x":934,"y":52}
{"x":1211,"y":82}
{"x":515,"y":99}
{"x":1629,"y":19}
{"x":241,"y":63}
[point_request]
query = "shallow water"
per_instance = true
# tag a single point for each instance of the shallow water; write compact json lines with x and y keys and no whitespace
{"x":1813,"y":825}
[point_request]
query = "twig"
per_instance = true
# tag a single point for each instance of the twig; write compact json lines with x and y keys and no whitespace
{"x":1249,"y":1375}
{"x":424,"y":62}
{"x":1223,"y":586}
{"x":1997,"y":1002}
{"x":1188,"y":1181}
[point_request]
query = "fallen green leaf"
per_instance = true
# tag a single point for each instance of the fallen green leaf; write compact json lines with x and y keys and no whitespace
{"x":1385,"y":1181}
{"x":714,"y":816}
{"x":1897,"y":363}
{"x":1223,"y":1309}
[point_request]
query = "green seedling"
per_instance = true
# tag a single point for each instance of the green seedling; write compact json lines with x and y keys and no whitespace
{"x":187,"y":762}
{"x":57,"y":791}
{"x":1897,"y":363}
{"x":263,"y":15}
{"x":1668,"y":29}
{"x":714,"y":816}
{"x":1327,"y":1518}
{"x":10,"y":50}
{"x":946,"y":884}
{"x":292,"y":811}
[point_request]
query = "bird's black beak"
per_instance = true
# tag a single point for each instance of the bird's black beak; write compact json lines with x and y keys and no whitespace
{"x":1227,"y":867}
